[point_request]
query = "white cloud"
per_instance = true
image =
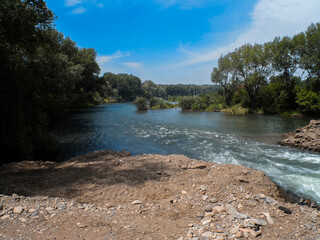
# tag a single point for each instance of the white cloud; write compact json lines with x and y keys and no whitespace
{"x":270,"y":18}
{"x":133,"y":64}
{"x":79,"y":10}
{"x":71,"y":3}
{"x":101,"y":59}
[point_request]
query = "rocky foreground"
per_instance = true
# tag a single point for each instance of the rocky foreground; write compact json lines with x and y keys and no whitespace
{"x":307,"y":137}
{"x":112,"y":195}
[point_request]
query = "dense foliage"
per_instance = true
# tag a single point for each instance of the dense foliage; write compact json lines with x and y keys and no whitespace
{"x":42,"y":73}
{"x":278,"y":76}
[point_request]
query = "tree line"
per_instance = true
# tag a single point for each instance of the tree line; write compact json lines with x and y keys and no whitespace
{"x":275,"y":77}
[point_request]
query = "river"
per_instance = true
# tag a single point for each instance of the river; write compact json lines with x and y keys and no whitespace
{"x":249,"y":140}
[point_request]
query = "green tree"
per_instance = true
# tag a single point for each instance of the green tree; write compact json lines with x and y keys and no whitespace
{"x":141,"y":103}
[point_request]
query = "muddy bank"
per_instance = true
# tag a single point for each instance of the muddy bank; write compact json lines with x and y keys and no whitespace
{"x":112,"y":195}
{"x":307,"y":137}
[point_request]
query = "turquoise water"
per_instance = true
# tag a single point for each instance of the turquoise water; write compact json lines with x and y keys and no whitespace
{"x":217,"y":137}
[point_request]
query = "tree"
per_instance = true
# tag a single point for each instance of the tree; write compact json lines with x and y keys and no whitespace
{"x":23,"y":28}
{"x":141,"y":103}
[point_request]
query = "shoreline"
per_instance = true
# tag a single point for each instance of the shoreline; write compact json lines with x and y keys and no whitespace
{"x":107,"y":193}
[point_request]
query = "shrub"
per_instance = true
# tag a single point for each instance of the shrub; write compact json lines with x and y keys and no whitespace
{"x":236,"y":110}
{"x":154,"y":102}
{"x":309,"y":102}
{"x":141,"y":103}
{"x":187,"y":102}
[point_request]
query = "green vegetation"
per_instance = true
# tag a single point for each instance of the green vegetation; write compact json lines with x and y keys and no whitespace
{"x":236,"y":110}
{"x":141,"y":103}
{"x":264,"y":78}
{"x":154,"y":104}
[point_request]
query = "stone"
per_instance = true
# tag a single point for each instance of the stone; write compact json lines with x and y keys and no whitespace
{"x":61,"y":205}
{"x":190,"y":234}
{"x":5,"y":217}
{"x":204,"y":197}
{"x":50,"y":208}
{"x":18,"y":209}
{"x":239,"y":234}
{"x":136,"y":202}
{"x":208,"y":208}
{"x":285,"y":210}
{"x":270,"y":200}
{"x":233,"y":212}
{"x":219,"y":209}
{"x":1,"y":206}
{"x":257,"y":222}
{"x":34,"y":214}
{"x":184,"y":192}
{"x":269,"y":219}
{"x":213,"y":200}
{"x":207,"y":234}
{"x":81,"y":225}
{"x":206,"y":221}
{"x":31,"y":210}
{"x":180,"y":238}
{"x":197,"y":166}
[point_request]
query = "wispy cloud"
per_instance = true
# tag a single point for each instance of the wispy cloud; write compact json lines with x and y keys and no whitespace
{"x":270,"y":18}
{"x":101,"y":59}
{"x":78,"y":10}
{"x":71,"y":3}
{"x":133,"y":64}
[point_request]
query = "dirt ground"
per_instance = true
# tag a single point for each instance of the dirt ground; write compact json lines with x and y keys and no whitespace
{"x":112,"y":195}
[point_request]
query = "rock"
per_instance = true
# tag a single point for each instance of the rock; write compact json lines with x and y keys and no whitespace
{"x":208,"y":208}
{"x":205,"y":197}
{"x":213,"y":200}
{"x":285,"y":210}
{"x":197,"y":166}
{"x":5,"y":217}
{"x":1,"y":206}
{"x":61,"y":205}
{"x":269,"y":219}
{"x":81,"y":225}
{"x":252,"y":232}
{"x":136,"y":202}
{"x":306,"y":138}
{"x":184,"y":192}
{"x":257,"y":222}
{"x":180,"y":238}
{"x":50,"y":209}
{"x":206,"y":221}
{"x":15,"y":196}
{"x":34,"y":214}
{"x":190,"y":234}
{"x":31,"y":210}
{"x":232,"y":211}
{"x":270,"y":200}
{"x":219,"y":209}
{"x":239,"y":234}
{"x":18,"y":209}
{"x":207,"y":234}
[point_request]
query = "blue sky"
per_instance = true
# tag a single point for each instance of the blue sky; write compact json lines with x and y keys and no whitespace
{"x":176,"y":41}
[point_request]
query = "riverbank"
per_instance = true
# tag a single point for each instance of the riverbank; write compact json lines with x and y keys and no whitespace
{"x":112,"y":195}
{"x":307,"y":137}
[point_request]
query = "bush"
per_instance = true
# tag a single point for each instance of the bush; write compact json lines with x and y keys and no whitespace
{"x":236,"y":110}
{"x":187,"y":102}
{"x":162,"y":105}
{"x":154,"y":102}
{"x":309,"y":102}
{"x":141,"y":103}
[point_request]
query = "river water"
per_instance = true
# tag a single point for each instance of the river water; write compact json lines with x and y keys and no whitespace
{"x":246,"y":140}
